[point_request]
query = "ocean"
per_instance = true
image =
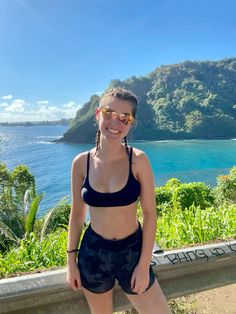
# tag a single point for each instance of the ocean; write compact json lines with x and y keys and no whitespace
{"x":50,"y":163}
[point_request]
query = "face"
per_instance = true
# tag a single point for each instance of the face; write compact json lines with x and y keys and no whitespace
{"x":114,"y":122}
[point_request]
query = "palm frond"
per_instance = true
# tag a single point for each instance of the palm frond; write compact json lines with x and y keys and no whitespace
{"x":49,"y":215}
{"x":31,"y":216}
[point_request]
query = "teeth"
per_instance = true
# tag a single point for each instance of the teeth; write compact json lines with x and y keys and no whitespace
{"x":113,"y":131}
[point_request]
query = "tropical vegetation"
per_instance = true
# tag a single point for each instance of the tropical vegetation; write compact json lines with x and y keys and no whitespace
{"x":19,"y":204}
{"x":192,"y":99}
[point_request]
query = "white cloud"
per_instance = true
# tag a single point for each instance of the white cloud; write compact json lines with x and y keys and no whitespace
{"x":20,"y":111}
{"x":70,"y":109}
{"x":98,"y":93}
{"x":43,"y":102}
{"x":70,"y":104}
{"x":7,"y":97}
{"x":48,"y":110}
{"x":16,"y":106}
{"x":4,"y":104}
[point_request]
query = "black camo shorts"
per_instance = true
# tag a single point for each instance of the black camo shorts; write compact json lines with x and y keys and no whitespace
{"x":102,"y":261}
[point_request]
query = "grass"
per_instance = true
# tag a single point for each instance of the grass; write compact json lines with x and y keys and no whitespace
{"x":178,"y":228}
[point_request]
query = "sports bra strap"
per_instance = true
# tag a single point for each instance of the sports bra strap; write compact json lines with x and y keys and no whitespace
{"x":88,"y":157}
{"x":130,"y":158}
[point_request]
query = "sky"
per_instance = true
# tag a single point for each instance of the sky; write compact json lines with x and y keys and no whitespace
{"x":55,"y":54}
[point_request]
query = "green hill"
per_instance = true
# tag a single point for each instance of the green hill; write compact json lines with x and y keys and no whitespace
{"x":179,"y":101}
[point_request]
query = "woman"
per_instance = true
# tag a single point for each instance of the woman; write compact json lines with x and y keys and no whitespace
{"x":109,"y":179}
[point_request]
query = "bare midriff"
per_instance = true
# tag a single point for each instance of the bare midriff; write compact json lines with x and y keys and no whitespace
{"x":114,"y":223}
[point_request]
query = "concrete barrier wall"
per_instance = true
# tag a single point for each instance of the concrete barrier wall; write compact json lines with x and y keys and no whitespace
{"x":179,"y":272}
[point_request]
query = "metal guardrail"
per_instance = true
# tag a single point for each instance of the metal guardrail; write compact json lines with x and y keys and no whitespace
{"x":179,"y":272}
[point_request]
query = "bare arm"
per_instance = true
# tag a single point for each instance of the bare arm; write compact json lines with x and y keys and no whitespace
{"x":78,"y":208}
{"x":148,"y":205}
{"x":140,"y":276}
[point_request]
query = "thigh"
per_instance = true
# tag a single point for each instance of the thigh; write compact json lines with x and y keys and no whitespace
{"x":152,"y":301}
{"x":95,"y":266}
{"x":128,"y":259}
{"x":99,"y":303}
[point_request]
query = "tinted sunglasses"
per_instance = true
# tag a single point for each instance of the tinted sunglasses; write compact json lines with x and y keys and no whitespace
{"x":109,"y":114}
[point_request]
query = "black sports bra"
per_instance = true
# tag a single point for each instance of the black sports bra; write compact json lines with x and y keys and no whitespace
{"x":127,"y":195}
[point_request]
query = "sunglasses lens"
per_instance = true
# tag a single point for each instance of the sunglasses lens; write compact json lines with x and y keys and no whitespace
{"x":107,"y":113}
{"x":125,"y":118}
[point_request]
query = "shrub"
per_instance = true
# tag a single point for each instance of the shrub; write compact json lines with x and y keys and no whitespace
{"x":163,"y":198}
{"x":164,"y":194}
{"x":226,"y":187}
{"x":197,"y":193}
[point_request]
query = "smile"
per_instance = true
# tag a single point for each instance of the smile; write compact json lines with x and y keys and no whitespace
{"x":113,"y":131}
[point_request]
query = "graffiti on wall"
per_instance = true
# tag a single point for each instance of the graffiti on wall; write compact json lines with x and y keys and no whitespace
{"x":193,"y":255}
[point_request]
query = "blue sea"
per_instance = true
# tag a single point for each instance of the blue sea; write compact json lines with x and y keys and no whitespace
{"x":50,"y":163}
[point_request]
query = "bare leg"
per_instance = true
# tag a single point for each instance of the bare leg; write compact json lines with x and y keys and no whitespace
{"x":99,"y":303}
{"x":152,"y":301}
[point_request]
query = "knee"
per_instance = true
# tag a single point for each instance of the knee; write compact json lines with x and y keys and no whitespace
{"x":99,"y":303}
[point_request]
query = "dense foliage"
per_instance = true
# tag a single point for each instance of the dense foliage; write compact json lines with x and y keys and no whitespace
{"x":182,"y":196}
{"x":185,"y":100}
{"x":226,"y":187}
{"x":34,"y":254}
{"x":19,"y":204}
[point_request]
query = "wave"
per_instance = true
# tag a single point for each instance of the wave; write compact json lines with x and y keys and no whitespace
{"x":49,"y":136}
{"x":44,"y":142}
{"x":163,"y":141}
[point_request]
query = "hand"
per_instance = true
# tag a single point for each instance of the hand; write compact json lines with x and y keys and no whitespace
{"x":140,"y":279}
{"x":73,"y":277}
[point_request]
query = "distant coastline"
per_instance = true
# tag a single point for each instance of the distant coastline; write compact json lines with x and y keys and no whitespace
{"x":60,"y":140}
{"x":66,"y":122}
{"x":41,"y":123}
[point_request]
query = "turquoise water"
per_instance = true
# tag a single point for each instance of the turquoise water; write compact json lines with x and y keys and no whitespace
{"x":50,"y":163}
